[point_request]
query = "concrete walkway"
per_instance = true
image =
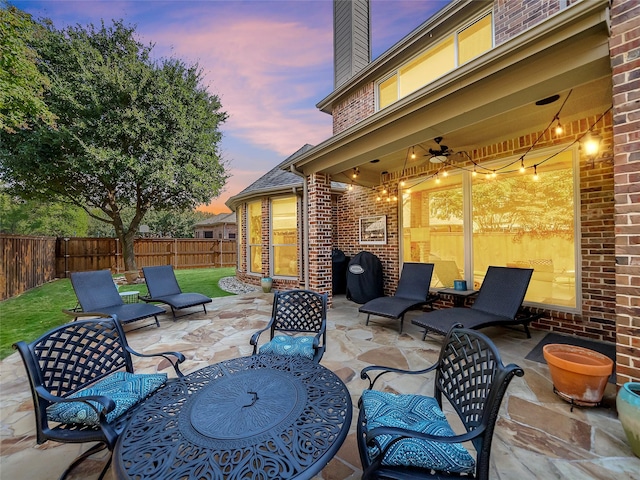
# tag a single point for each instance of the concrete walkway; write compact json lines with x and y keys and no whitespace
{"x":536,"y":437}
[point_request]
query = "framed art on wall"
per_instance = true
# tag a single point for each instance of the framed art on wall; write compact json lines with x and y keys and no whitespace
{"x":373,"y":230}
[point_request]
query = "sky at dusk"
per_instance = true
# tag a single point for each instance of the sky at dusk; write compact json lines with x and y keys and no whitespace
{"x":269,"y":61}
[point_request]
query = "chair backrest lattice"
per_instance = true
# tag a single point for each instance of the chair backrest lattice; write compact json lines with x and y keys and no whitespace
{"x":503,"y":290}
{"x":299,"y":311}
{"x":78,"y":354}
{"x":473,"y":379}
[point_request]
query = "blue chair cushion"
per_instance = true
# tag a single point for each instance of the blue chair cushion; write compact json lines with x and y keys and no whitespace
{"x":124,"y":388}
{"x":419,"y":414}
{"x":289,"y":345}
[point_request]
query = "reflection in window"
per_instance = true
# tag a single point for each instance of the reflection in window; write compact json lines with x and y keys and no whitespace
{"x":284,"y":236}
{"x":432,"y":228}
{"x":515,"y":221}
{"x":520,"y":222}
{"x":254,"y":236}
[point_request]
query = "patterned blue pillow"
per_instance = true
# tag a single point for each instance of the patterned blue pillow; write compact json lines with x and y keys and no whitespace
{"x":124,"y":388}
{"x":419,"y":414}
{"x":289,"y":345}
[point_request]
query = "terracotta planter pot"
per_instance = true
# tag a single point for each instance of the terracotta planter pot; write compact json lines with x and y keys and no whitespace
{"x":579,"y":375}
{"x":628,"y":406}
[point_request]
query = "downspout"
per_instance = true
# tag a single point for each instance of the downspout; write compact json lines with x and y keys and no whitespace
{"x":305,"y":225}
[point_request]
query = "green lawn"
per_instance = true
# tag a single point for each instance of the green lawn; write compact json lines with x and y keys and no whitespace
{"x":27,"y":316}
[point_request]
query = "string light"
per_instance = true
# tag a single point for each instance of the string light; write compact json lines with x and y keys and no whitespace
{"x":437,"y":178}
{"x":475,"y":172}
{"x":559,"y":129}
{"x":350,"y":187}
{"x":402,"y":183}
{"x":356,"y":172}
{"x":535,"y":173}
{"x":413,"y":153}
{"x":445,"y":173}
{"x":522,"y":169}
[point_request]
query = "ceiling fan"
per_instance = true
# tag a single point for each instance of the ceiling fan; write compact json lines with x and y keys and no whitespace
{"x":440,"y":155}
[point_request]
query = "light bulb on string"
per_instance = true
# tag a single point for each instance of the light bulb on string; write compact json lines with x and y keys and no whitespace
{"x":445,"y":173}
{"x":384,"y":190}
{"x":535,"y":173}
{"x":475,"y":172}
{"x":559,"y":130}
{"x":437,"y":178}
{"x":350,"y":187}
{"x":522,"y":169}
{"x":493,"y":174}
{"x":395,"y":199}
{"x":402,"y":183}
{"x":413,"y":153}
{"x":388,"y":199}
{"x":378,"y":198}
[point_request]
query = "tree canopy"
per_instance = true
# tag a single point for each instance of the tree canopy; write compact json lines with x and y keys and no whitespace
{"x":132,"y":132}
{"x":22,"y":85}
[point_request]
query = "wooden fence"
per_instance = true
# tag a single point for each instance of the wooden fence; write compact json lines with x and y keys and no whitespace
{"x":31,"y":261}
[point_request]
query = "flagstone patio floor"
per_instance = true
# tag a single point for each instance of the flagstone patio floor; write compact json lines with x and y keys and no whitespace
{"x":536,"y":436}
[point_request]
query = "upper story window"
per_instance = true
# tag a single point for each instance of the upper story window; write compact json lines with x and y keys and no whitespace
{"x":451,"y":52}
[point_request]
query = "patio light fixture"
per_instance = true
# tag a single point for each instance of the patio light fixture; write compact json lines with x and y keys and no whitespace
{"x":591,"y":145}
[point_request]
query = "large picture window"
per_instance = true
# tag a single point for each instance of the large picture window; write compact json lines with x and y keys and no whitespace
{"x":284,"y":236}
{"x":254,"y":236}
{"x":515,"y":220}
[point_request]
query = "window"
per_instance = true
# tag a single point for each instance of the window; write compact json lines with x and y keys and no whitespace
{"x":433,"y":228}
{"x":439,"y":59}
{"x":254,"y":234}
{"x":232,"y":236}
{"x":284,"y":236}
{"x":513,"y":221}
{"x":474,"y":39}
{"x":241,"y":251}
{"x":208,"y":234}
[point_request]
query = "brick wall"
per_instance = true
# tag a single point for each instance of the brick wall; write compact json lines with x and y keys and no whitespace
{"x":597,"y":317}
{"x":625,"y":60}
{"x":361,"y":202}
{"x":320,"y":233}
{"x":512,"y":17}
{"x":353,"y":109}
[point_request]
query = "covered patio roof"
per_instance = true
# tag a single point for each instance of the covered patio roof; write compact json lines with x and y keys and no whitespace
{"x":490,"y":99}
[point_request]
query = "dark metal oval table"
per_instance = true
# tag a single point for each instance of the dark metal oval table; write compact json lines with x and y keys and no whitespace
{"x":259,"y":417}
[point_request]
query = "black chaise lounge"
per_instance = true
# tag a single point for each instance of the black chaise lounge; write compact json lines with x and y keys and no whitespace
{"x":98,"y":296}
{"x":412,"y":292}
{"x":404,"y":436}
{"x":498,"y":303}
{"x":163,"y":288}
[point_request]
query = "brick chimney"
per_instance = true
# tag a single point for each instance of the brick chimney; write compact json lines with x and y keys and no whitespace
{"x":351,"y":38}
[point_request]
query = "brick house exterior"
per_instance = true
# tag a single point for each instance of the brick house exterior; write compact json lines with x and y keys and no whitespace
{"x":539,"y":48}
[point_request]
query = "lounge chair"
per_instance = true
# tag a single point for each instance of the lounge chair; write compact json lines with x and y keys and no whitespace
{"x":163,"y":288}
{"x":295,"y":312}
{"x":498,"y":303}
{"x":98,"y":297}
{"x":405,"y":436}
{"x":412,"y":292}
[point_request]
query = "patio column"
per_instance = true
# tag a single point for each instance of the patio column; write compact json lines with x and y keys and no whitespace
{"x":319,"y":233}
{"x":625,"y":36}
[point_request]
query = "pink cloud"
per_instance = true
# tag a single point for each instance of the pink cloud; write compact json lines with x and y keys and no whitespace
{"x":266,"y":73}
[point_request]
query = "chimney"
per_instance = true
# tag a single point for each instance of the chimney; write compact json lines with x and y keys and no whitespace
{"x":351,"y":38}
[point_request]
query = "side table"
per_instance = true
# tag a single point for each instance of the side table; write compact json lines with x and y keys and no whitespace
{"x":130,"y":297}
{"x":459,"y":296}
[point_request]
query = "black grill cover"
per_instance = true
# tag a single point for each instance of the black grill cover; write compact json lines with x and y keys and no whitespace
{"x":364,"y":278}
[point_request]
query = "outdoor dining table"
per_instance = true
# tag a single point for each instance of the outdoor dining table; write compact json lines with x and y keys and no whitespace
{"x":263,"y":416}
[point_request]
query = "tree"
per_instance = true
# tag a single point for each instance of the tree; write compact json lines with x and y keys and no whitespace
{"x":132,"y":132}
{"x":22,"y":85}
{"x":20,"y":217}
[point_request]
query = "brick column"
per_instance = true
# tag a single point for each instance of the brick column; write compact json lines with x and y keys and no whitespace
{"x":320,"y":230}
{"x":625,"y":62}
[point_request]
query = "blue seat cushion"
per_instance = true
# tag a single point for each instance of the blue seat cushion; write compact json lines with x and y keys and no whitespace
{"x":289,"y":345}
{"x":124,"y":388}
{"x":419,"y":414}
